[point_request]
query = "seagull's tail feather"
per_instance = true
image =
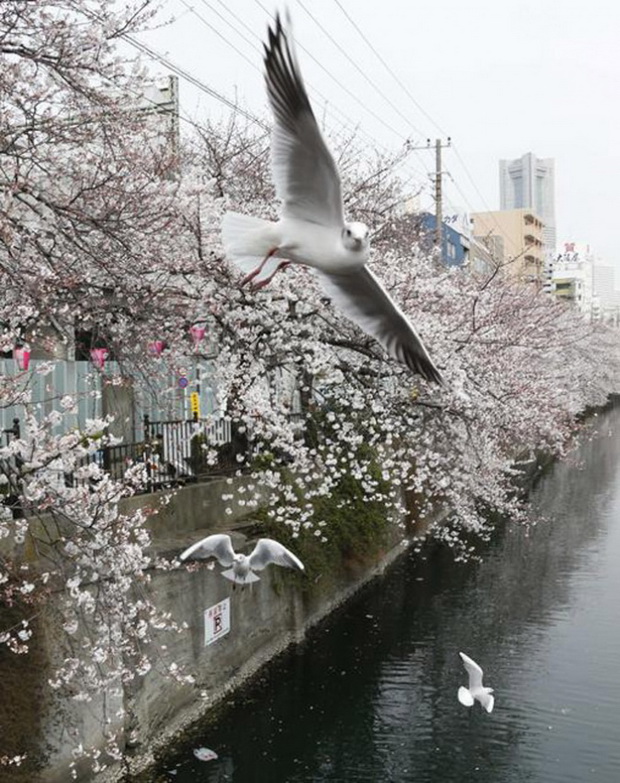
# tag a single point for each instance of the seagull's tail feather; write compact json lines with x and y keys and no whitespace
{"x":247,"y":240}
{"x":240,"y":580}
{"x":488,"y":702}
{"x":465,"y":696}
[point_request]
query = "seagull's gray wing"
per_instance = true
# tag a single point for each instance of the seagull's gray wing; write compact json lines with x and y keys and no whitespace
{"x":362,"y":298}
{"x":218,"y":545}
{"x":268,"y":551}
{"x":305,"y":175}
{"x":474,"y":671}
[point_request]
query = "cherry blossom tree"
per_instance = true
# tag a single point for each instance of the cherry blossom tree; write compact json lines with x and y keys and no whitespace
{"x":92,"y":237}
{"x":518,"y":365}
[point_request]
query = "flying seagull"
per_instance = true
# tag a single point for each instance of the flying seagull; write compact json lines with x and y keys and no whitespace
{"x":312,"y":230}
{"x":266,"y":552}
{"x":476,"y":690}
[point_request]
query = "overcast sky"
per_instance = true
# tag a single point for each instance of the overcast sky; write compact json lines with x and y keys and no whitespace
{"x":501,"y":77}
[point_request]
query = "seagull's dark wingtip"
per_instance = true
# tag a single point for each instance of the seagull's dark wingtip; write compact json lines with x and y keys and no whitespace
{"x":436,"y":377}
{"x":423,"y":366}
{"x":285,"y":86}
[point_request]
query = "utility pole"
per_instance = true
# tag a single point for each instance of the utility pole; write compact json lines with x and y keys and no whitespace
{"x":439,"y":145}
{"x":438,"y":194}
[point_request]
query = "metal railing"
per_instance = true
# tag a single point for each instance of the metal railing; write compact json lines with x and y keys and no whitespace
{"x":10,"y":468}
{"x":175,"y":452}
{"x":172,"y":452}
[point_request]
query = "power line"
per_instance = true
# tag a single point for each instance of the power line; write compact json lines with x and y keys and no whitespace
{"x":193,"y":80}
{"x":176,"y":69}
{"x":359,"y":70}
{"x":238,"y":19}
{"x":332,"y":108}
{"x":192,"y":10}
{"x":231,"y":25}
{"x":153,"y":54}
{"x":461,"y":193}
{"x":390,"y":70}
{"x":415,"y":103}
{"x":341,"y":85}
{"x":471,"y":179}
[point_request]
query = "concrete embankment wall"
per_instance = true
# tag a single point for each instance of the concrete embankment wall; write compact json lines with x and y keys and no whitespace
{"x":264,"y":619}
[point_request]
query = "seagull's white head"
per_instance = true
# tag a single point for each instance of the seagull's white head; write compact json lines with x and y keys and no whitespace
{"x":355,"y":236}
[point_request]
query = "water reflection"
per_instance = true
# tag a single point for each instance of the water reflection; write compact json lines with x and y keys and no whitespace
{"x":371,"y":696}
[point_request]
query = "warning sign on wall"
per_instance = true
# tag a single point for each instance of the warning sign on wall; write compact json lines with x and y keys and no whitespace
{"x":217,"y":621}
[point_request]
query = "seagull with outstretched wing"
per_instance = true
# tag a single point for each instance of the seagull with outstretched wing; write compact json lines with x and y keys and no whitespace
{"x":312,"y":230}
{"x":240,"y":568}
{"x":476,"y":690}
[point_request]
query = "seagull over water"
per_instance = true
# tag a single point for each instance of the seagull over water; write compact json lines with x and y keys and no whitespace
{"x":312,"y":230}
{"x":476,"y":690}
{"x":266,"y":552}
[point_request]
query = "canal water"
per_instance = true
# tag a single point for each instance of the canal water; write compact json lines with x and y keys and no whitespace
{"x":371,"y":695}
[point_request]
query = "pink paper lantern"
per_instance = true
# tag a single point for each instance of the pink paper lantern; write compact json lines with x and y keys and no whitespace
{"x":197,"y":333}
{"x":98,"y":357}
{"x":157,"y":347}
{"x":22,"y":357}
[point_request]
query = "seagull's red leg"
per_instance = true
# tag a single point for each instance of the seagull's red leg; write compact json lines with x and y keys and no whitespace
{"x":259,"y":268}
{"x":267,"y":280}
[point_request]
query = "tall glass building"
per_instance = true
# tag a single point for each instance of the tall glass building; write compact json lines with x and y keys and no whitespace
{"x":528,"y":182}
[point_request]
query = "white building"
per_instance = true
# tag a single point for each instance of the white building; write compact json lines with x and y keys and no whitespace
{"x":607,"y":293}
{"x":572,"y":278}
{"x":528,"y":182}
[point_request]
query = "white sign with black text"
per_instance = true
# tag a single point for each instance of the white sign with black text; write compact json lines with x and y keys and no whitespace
{"x":217,"y":621}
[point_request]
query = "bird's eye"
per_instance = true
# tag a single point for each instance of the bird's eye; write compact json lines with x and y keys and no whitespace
{"x":348,"y":232}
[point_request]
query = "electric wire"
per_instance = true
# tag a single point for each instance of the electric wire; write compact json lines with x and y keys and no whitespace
{"x":231,"y":25}
{"x":419,"y":106}
{"x":360,"y":70}
{"x":193,"y":80}
{"x":323,"y":99}
{"x":182,"y":73}
{"x":349,"y":92}
{"x":192,"y":10}
{"x":390,"y":70}
{"x":327,"y":105}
